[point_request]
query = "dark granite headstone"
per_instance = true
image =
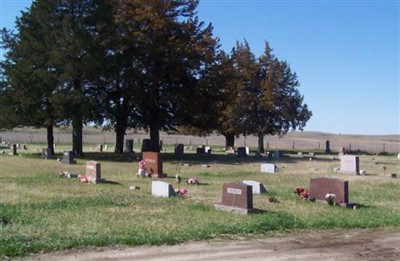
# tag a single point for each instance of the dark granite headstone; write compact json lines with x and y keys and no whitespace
{"x":327,"y":147}
{"x":14,"y":149}
{"x":46,"y":153}
{"x":129,"y":146}
{"x":349,"y":164}
{"x":148,"y":145}
{"x":68,"y":157}
{"x":319,"y":187}
{"x":154,"y":164}
{"x":179,"y":150}
{"x":241,"y":152}
{"x":201,"y":150}
{"x":161,"y":145}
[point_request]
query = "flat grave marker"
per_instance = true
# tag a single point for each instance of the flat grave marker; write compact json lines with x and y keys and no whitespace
{"x":162,"y":189}
{"x":268,"y":168}
{"x":258,"y":188}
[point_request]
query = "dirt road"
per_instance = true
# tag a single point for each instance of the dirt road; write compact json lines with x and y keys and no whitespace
{"x":377,"y":244}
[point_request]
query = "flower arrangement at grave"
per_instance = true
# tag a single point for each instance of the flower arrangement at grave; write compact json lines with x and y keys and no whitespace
{"x":330,"y":198}
{"x":181,"y":191}
{"x":302,"y":193}
{"x":272,"y":200}
{"x":142,"y":168}
{"x":192,"y":181}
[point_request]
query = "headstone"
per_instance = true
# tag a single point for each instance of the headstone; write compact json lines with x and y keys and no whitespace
{"x":247,"y":150}
{"x":207,"y":149}
{"x":342,"y":151}
{"x":398,"y":156}
{"x":129,"y":146}
{"x":241,"y":152}
{"x":268,"y":168}
{"x":237,"y":197}
{"x":93,"y":172}
{"x":154,"y":164}
{"x":276,"y":155}
{"x":162,"y":189}
{"x":327,"y":147}
{"x":68,"y":157}
{"x":349,"y":164}
{"x":46,"y":153}
{"x":105,"y":147}
{"x":14,"y":149}
{"x":101,"y":147}
{"x":161,"y":145}
{"x":147,"y":145}
{"x":179,"y":150}
{"x":320,"y":187}
{"x":258,"y":188}
{"x":201,"y":150}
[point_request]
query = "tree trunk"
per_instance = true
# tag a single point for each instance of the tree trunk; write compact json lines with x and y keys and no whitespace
{"x":77,"y":139}
{"x":120,"y":129}
{"x":229,"y":141}
{"x":261,"y":148}
{"x":155,"y":136}
{"x":50,"y":137}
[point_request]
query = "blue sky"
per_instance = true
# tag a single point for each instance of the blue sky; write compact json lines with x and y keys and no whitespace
{"x":345,"y":53}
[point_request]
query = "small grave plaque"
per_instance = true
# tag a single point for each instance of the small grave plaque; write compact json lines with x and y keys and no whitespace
{"x":68,"y":157}
{"x":179,"y":150}
{"x":154,"y":164}
{"x":268,"y":168}
{"x":237,"y":197}
{"x":162,"y":189}
{"x":320,"y":187}
{"x":349,"y":164}
{"x":258,"y":188}
{"x":93,"y":171}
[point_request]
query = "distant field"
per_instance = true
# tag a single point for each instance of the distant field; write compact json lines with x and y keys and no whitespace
{"x":292,"y":141}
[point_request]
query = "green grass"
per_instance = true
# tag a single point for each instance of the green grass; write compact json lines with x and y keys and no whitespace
{"x":40,"y":211}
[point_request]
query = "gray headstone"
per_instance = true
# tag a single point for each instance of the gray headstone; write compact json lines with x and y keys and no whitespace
{"x":349,"y":164}
{"x":258,"y":188}
{"x":14,"y":149}
{"x":179,"y":150}
{"x":46,"y":153}
{"x":276,"y":154}
{"x":268,"y":168}
{"x":327,"y":147}
{"x":162,"y":189}
{"x":129,"y":146}
{"x":68,"y":157}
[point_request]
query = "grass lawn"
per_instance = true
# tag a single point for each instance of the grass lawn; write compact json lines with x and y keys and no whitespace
{"x":41,"y":211}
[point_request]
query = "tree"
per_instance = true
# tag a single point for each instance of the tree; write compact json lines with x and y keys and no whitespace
{"x":278,"y":105}
{"x":174,"y":50}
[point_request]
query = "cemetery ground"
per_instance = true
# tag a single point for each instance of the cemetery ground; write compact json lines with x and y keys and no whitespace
{"x":41,"y":212}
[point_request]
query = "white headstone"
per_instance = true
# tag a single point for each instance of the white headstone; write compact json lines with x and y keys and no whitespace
{"x":349,"y":164}
{"x":247,"y":150}
{"x":258,"y":187}
{"x":268,"y":168}
{"x":162,"y":189}
{"x":398,"y":156}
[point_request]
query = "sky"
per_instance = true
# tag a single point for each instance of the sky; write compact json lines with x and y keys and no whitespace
{"x":345,"y":53}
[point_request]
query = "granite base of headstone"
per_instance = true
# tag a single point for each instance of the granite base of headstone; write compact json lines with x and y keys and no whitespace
{"x":237,"y":197}
{"x":349,"y":164}
{"x":268,"y":168}
{"x":320,"y":187}
{"x":258,"y":188}
{"x":93,"y":172}
{"x":68,"y":157}
{"x":162,"y":189}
